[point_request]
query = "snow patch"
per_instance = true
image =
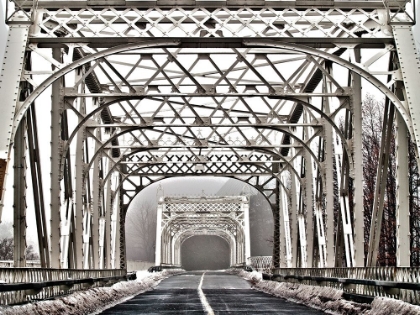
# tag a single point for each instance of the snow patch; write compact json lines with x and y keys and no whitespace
{"x":323,"y":298}
{"x":387,"y":306}
{"x":328,"y":299}
{"x":94,"y":300}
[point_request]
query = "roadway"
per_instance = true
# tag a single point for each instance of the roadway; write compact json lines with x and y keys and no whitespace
{"x":209,"y":292}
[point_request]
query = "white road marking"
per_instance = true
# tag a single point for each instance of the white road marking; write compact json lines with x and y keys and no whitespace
{"x":206,"y":305}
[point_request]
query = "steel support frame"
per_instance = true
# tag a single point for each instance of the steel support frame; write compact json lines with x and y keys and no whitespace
{"x":82,"y":222}
{"x":380,"y":185}
{"x":403,"y":249}
{"x":19,"y":206}
{"x":357,"y":170}
{"x":9,"y":90}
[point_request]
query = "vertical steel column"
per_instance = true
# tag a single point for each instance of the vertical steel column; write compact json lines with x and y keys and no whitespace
{"x":294,"y":224}
{"x":10,"y":82}
{"x":329,"y":192}
{"x":120,"y":233}
{"x":233,"y":253}
{"x":37,"y":188}
{"x":402,"y":202}
{"x":318,"y":183}
{"x":96,"y":208}
{"x":108,"y":217}
{"x":247,"y":240}
{"x":358,"y":208}
{"x":309,"y":198}
{"x":115,"y":239}
{"x":410,"y":68}
{"x":276,"y":209}
{"x":286,"y":250}
{"x":19,"y":221}
{"x":346,"y":227}
{"x":173,"y":249}
{"x":79,"y":187}
{"x":158,"y":254}
{"x":309,"y":201}
{"x":381,"y":179}
{"x":57,"y":105}
{"x":302,"y":245}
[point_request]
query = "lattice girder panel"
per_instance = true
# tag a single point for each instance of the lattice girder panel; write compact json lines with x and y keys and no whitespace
{"x":221,"y":21}
{"x":217,"y":164}
{"x":134,"y":183}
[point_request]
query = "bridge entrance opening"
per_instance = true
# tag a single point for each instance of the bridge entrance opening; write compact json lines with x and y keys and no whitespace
{"x":205,"y":252}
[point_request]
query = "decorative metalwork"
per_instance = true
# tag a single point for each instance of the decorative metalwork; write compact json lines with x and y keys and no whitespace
{"x":267,"y":92}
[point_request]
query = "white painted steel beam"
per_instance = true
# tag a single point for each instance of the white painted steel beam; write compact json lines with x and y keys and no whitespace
{"x":403,"y":244}
{"x":13,"y":62}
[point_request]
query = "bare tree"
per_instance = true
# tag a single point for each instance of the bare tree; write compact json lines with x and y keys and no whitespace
{"x":372,"y":132}
{"x":6,"y":248}
{"x":31,"y":254}
{"x":141,"y":232}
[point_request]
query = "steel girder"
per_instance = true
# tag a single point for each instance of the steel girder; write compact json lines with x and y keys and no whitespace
{"x":251,"y":92}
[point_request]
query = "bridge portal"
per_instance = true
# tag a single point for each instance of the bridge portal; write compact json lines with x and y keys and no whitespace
{"x":179,"y":218}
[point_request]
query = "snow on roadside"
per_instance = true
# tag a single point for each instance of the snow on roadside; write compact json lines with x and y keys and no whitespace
{"x":322,"y":298}
{"x":387,"y":306}
{"x":328,"y":299}
{"x":92,"y":300}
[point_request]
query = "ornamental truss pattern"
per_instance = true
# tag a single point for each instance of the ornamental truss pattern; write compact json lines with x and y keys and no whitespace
{"x":267,"y":92}
{"x":179,"y":218}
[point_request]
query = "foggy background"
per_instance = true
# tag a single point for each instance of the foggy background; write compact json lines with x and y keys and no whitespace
{"x":203,"y":252}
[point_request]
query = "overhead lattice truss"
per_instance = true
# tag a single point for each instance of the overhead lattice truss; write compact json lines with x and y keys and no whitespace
{"x":179,"y":218}
{"x":267,"y":92}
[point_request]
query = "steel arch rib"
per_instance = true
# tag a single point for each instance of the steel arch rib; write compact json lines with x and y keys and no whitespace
{"x":306,"y":104}
{"x":74,"y":65}
{"x":350,"y":66}
{"x":89,"y":165}
{"x":164,"y":177}
{"x":117,"y":164}
{"x":263,"y":43}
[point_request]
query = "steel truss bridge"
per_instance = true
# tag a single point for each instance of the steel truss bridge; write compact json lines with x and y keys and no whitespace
{"x":180,"y":218}
{"x":266,"y":92}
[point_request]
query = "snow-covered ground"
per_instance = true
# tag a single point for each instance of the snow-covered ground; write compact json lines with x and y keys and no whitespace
{"x":328,"y":299}
{"x":92,"y":301}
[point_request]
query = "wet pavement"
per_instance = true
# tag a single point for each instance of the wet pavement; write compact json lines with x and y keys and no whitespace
{"x":218,"y":292}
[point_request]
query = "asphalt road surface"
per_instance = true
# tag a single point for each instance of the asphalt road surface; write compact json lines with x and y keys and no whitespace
{"x":209,"y":292}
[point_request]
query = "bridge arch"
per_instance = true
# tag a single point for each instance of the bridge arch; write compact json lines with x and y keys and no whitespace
{"x":281,"y":89}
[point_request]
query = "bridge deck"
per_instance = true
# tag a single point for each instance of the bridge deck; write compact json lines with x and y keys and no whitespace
{"x":225,"y":294}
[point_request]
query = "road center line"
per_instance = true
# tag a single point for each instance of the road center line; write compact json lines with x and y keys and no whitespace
{"x":206,"y":305}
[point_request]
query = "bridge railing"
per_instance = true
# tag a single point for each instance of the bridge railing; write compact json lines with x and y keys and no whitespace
{"x":162,"y":267}
{"x":18,"y":285}
{"x":402,"y":283}
{"x":29,"y":263}
{"x":261,"y":263}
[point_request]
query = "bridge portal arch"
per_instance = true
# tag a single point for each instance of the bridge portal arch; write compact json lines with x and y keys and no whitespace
{"x":226,"y":216}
